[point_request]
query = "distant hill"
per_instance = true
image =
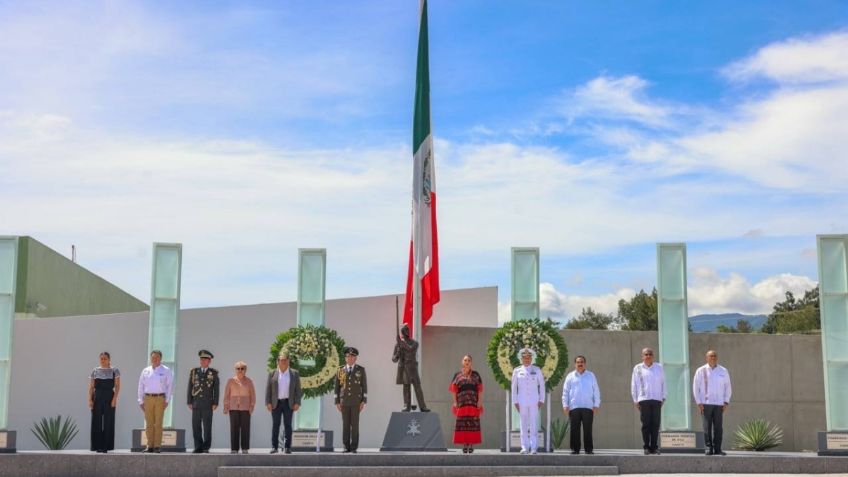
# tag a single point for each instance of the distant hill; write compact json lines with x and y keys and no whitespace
{"x":706,"y":323}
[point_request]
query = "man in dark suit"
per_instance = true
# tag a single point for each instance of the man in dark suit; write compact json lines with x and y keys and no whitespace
{"x":282,"y":397}
{"x":202,"y":396}
{"x":351,"y":396}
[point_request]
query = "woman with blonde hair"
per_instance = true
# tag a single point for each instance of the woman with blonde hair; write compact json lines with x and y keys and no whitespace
{"x":239,"y":401}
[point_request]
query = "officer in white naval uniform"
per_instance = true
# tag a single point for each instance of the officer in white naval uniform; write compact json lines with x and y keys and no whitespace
{"x":528,"y":394}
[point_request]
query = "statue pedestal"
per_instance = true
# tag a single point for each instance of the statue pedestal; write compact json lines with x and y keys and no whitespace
{"x":414,"y":431}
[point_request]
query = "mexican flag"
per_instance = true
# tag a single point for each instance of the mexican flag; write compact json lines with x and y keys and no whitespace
{"x":424,"y":246}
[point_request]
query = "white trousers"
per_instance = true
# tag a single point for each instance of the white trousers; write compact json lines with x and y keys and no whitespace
{"x":528,"y":416}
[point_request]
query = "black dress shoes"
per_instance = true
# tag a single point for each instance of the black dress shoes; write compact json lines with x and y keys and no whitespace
{"x":274,"y":450}
{"x":197,"y":451}
{"x":708,"y":452}
{"x":720,"y":453}
{"x":288,"y":451}
{"x":424,"y":409}
{"x":575,"y":452}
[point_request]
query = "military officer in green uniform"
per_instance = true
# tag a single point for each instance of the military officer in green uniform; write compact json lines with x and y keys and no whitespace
{"x":203,"y":391}
{"x":351,"y":396}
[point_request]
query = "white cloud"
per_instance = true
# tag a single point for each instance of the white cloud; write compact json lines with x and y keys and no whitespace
{"x":708,"y":292}
{"x":711,"y":293}
{"x":801,"y":60}
{"x":620,"y":98}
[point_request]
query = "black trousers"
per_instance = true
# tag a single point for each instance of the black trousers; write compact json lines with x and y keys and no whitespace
{"x":239,"y":430}
{"x":712,"y":418}
{"x":103,"y":422}
{"x":581,"y":417}
{"x":350,"y":427}
{"x":649,"y":411}
{"x":281,"y":411}
{"x":201,"y":425}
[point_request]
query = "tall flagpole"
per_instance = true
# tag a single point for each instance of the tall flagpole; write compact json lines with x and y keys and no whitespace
{"x":417,"y":324}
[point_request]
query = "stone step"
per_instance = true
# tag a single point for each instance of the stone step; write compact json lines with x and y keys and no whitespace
{"x":419,"y":471}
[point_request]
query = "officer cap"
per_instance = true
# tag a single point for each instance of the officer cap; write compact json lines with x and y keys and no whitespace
{"x":351,"y":351}
{"x":526,"y":351}
{"x":205,"y":354}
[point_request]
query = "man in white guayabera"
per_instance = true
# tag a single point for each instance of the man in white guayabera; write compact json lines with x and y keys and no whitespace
{"x":647,"y":387}
{"x":528,"y":394}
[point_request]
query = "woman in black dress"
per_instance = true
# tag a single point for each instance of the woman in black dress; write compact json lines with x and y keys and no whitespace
{"x":103,"y":387}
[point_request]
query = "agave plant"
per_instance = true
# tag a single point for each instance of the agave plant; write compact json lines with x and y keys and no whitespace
{"x":55,"y":433}
{"x":558,"y":431}
{"x":758,"y":435}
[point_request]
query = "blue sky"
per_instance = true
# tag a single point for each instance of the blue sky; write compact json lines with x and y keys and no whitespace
{"x":593,"y":130}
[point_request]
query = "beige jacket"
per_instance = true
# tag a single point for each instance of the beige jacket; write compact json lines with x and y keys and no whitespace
{"x":239,"y":397}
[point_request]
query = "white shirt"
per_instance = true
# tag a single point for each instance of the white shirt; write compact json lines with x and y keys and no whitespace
{"x":159,"y":380}
{"x":528,"y":385}
{"x":648,"y":383}
{"x":581,"y":391}
{"x":711,"y":385}
{"x":283,"y":380}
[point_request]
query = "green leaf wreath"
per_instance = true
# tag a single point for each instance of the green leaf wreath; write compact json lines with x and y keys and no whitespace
{"x":307,"y":344}
{"x":542,"y":337}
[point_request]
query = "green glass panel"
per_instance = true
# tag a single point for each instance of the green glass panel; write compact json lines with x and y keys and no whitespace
{"x":675,"y":412}
{"x":307,"y":417}
{"x":674,"y":330}
{"x":837,"y":377}
{"x":164,"y":326}
{"x":7,"y":314}
{"x":833,"y":273}
{"x":674,"y":334}
{"x":167,"y":272}
{"x":525,"y":311}
{"x":8,"y":249}
{"x":310,"y":311}
{"x":4,"y":396}
{"x":835,"y":322}
{"x":311,"y":314}
{"x":525,"y":276}
{"x":672,"y":273}
{"x":312,"y":277}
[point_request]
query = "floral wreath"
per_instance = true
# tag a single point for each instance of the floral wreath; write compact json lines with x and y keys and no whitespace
{"x":310,"y":343}
{"x":542,"y":337}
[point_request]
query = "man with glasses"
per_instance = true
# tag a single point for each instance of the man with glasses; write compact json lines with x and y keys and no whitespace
{"x":711,"y":389}
{"x":282,"y":398}
{"x":647,"y":387}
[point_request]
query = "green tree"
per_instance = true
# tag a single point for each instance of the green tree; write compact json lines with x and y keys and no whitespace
{"x":639,"y":313}
{"x":795,"y":316}
{"x":742,"y":326}
{"x":589,"y":319}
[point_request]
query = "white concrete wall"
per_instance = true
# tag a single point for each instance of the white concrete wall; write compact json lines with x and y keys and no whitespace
{"x":53,"y":358}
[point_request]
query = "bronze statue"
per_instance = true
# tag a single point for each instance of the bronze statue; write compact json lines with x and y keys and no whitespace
{"x":405,"y":355}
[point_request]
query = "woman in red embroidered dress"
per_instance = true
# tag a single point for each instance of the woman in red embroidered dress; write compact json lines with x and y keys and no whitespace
{"x":467,"y":389}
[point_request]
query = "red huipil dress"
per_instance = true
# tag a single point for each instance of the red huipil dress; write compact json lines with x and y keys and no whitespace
{"x":467,"y":390}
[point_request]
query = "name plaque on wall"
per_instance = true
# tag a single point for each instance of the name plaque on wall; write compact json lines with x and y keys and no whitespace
{"x":4,"y":441}
{"x":8,"y":441}
{"x":833,"y":443}
{"x":307,"y":439}
{"x":677,"y":440}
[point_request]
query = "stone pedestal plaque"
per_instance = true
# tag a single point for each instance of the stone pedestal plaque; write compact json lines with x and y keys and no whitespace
{"x":515,"y":441}
{"x":414,"y":431}
{"x":682,"y":442}
{"x":833,"y":443}
{"x":305,"y":441}
{"x":173,"y":440}
{"x":7,"y":442}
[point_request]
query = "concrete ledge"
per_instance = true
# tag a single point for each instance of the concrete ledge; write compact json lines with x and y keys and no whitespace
{"x":423,"y":471}
{"x":126,"y":464}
